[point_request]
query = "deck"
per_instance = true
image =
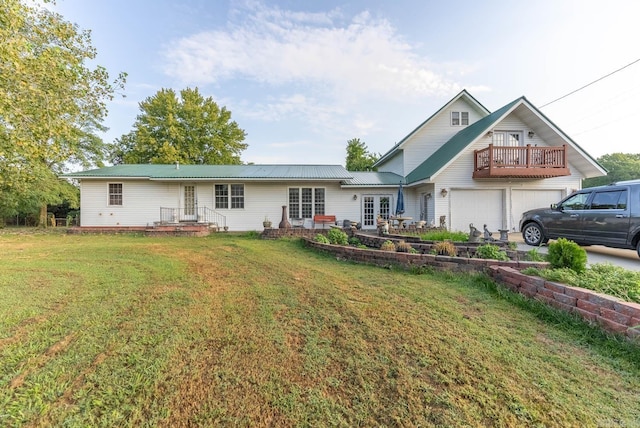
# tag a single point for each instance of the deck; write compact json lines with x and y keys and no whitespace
{"x":520,"y":162}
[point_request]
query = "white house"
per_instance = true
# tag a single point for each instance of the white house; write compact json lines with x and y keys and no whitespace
{"x":463,"y":165}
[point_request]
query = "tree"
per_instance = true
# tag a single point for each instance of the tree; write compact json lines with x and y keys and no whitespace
{"x":358,"y":156}
{"x":620,"y":166}
{"x":190,"y":130}
{"x":51,"y":105}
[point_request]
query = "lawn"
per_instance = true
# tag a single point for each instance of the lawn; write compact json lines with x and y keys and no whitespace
{"x":233,"y":330}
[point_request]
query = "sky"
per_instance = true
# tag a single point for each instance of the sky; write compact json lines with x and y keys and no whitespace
{"x":303,"y":77}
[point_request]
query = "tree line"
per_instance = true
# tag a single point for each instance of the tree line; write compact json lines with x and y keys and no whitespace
{"x":53,"y":104}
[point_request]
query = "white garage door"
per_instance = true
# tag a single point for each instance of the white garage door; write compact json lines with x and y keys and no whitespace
{"x":478,"y":207}
{"x":525,"y":200}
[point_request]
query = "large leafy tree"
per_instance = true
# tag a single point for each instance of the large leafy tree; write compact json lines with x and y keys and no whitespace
{"x":189,"y":129}
{"x":52,"y":104}
{"x":620,"y":166}
{"x":358,"y":156}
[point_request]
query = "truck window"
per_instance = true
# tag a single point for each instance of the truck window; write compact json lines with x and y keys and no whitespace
{"x":575,"y":202}
{"x":609,"y":200}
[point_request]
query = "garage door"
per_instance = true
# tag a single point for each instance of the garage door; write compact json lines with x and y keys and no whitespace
{"x":478,"y":207}
{"x":525,"y":200}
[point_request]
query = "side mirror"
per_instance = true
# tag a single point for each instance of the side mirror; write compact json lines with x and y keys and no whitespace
{"x":554,"y":206}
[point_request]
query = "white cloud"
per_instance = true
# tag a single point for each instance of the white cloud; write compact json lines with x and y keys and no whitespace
{"x":339,"y":59}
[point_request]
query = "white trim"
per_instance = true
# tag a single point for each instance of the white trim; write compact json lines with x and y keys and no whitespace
{"x":109,"y":204}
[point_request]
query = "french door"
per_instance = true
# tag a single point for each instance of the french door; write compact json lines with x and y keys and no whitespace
{"x":374,"y":206}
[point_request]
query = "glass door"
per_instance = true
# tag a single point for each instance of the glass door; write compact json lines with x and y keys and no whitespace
{"x":374,"y":206}
{"x":190,"y":202}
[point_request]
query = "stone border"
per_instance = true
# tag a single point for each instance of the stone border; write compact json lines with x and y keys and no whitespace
{"x":408,"y":260}
{"x":610,"y":313}
{"x":468,"y":249}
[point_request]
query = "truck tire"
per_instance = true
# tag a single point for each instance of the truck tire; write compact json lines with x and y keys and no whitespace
{"x":533,"y":235}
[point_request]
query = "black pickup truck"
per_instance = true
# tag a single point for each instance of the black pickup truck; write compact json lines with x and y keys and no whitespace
{"x":604,"y":215}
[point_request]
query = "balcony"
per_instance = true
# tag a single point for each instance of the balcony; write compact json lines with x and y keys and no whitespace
{"x":520,"y":162}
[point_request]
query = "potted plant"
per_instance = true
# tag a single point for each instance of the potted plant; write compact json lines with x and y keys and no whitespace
{"x":266,"y":223}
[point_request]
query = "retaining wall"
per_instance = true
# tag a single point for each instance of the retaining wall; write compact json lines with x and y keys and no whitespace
{"x":408,"y":260}
{"x":610,"y":313}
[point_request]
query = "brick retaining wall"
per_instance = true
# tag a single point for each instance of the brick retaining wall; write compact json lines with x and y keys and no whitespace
{"x":464,"y":249}
{"x":408,"y":260}
{"x":612,"y":314}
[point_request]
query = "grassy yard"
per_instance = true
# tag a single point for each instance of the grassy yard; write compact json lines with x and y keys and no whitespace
{"x":229,"y":330}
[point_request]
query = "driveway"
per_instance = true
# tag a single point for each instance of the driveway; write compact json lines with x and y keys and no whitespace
{"x":627,"y":259}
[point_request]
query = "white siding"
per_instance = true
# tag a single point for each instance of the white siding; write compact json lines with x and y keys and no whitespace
{"x":142,"y":200}
{"x":439,"y":130}
{"x":395,"y":165}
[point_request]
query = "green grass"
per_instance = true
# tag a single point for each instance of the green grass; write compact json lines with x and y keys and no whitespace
{"x":442,"y":235}
{"x":604,"y":278}
{"x":232,"y":330}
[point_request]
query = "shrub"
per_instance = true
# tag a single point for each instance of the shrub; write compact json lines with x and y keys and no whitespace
{"x":337,"y":237}
{"x":321,"y":238}
{"x":534,"y":255}
{"x":354,"y":241}
{"x":445,"y":248}
{"x":490,"y":251}
{"x":388,"y":246}
{"x":567,"y":254}
{"x":403,"y":247}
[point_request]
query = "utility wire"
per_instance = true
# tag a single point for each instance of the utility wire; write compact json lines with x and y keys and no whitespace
{"x":589,"y":84}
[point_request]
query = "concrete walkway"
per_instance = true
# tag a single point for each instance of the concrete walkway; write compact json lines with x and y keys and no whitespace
{"x":627,"y":259}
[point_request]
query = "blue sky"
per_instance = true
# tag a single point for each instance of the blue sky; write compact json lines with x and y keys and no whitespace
{"x":304,"y":77}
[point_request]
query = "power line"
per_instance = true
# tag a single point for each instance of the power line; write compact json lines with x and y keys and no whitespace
{"x":589,"y":84}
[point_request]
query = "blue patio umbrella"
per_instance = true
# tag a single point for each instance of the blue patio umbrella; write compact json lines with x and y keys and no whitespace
{"x":400,"y":203}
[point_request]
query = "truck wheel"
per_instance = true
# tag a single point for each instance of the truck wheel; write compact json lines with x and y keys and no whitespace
{"x":638,"y":248}
{"x":532,"y":235}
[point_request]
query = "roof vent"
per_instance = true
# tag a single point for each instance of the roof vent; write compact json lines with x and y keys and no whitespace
{"x":177,"y":165}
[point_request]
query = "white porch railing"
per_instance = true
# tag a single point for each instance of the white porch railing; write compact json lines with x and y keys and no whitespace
{"x":199,"y":215}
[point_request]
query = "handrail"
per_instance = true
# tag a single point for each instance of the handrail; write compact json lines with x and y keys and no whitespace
{"x":200,"y":215}
{"x":520,"y":157}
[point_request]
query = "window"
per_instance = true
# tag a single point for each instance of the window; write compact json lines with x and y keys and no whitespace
{"x":305,"y":202}
{"x":459,"y":118}
{"x":612,"y":200}
{"x":115,"y":194}
{"x":576,"y":202}
{"x":229,"y":195}
{"x":237,"y":196}
{"x":507,"y":138}
{"x":222,"y":196}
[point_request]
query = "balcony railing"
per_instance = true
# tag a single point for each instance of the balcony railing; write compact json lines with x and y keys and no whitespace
{"x":192,"y":215}
{"x":520,"y":162}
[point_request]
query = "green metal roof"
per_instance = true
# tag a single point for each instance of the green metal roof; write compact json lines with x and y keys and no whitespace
{"x":373,"y":179}
{"x":203,"y":172}
{"x":456,"y":144}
